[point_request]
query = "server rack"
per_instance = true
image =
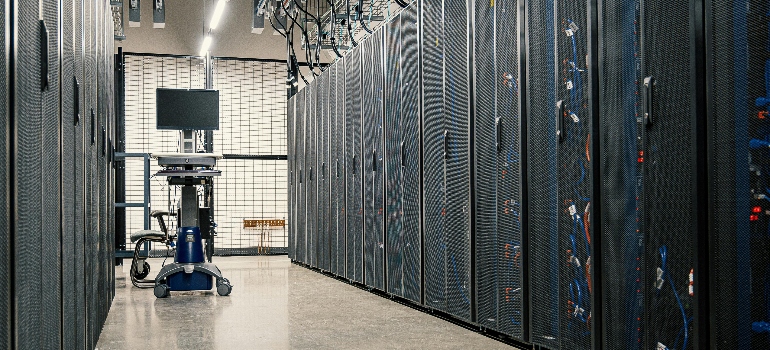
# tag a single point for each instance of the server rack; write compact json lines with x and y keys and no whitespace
{"x":322,"y":161}
{"x":338,"y":157}
{"x":402,"y":157}
{"x":498,"y":169}
{"x":446,"y":172}
{"x":331,"y":164}
{"x":542,"y":177}
{"x":48,"y":124}
{"x":311,"y":129}
{"x":354,"y":171}
{"x":738,"y":94}
{"x":394,"y":157}
{"x":302,"y":177}
{"x":291,"y":159}
{"x":653,"y":189}
{"x":373,"y":160}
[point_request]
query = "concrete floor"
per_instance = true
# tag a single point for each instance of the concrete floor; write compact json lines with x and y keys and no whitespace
{"x":274,"y":305}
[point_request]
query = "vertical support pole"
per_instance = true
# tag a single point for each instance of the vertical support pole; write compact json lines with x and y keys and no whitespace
{"x":146,"y":250}
{"x":120,"y":147}
{"x":209,"y":146}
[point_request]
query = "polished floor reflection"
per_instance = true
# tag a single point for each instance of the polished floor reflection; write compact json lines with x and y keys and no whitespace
{"x":274,"y":305}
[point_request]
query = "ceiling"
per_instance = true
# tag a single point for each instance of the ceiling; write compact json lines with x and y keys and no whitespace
{"x":184,"y":31}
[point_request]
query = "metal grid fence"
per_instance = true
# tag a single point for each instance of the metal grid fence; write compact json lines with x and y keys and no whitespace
{"x":252,"y":126}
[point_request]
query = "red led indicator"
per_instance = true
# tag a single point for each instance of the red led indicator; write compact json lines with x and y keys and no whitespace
{"x":756,"y":209}
{"x":753,"y":217}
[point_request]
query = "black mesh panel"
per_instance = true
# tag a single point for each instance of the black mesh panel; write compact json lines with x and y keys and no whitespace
{"x":498,"y":192}
{"x":291,"y":156}
{"x":322,"y":162}
{"x":28,"y":255}
{"x":457,"y":161}
{"x":432,"y":42}
{"x":51,"y":210}
{"x":621,"y":231}
{"x":394,"y":173}
{"x":545,"y":259}
{"x":353,"y":170}
{"x":574,"y":175}
{"x":373,"y":164}
{"x":410,"y":133}
{"x":302,"y":180}
{"x":487,"y":282}
{"x":312,"y":175}
{"x":739,"y":102}
{"x":669,"y":176}
{"x":331,"y":166}
{"x":5,"y":250}
{"x":338,"y":158}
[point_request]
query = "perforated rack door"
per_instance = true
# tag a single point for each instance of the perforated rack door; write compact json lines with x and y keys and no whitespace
{"x":738,"y":102}
{"x":372,"y":157}
{"x":71,"y":73}
{"x":5,"y":253}
{"x":49,"y":125}
{"x":621,"y":166}
{"x":338,"y":157}
{"x":499,"y":257}
{"x":353,"y":170}
{"x":291,"y":157}
{"x":669,"y":176}
{"x":311,"y":129}
{"x":394,"y":236}
{"x":322,"y":138}
{"x":447,"y":168}
{"x":574,"y":175}
{"x":302,"y":179}
{"x":432,"y":43}
{"x":545,"y":260}
{"x":457,"y":160}
{"x":411,"y":203}
{"x":332,"y":174}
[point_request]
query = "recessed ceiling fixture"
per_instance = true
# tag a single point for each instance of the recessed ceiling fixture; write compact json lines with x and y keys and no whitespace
{"x":217,"y":14}
{"x":218,"y":10}
{"x":206,"y":45}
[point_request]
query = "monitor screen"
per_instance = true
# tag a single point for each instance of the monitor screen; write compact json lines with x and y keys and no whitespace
{"x":182,"y":109}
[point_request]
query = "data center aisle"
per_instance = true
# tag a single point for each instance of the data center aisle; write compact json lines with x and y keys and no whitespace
{"x":275,"y":305}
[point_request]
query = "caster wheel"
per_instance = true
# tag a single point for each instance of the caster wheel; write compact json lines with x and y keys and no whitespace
{"x":141,"y":276}
{"x":161,"y":291}
{"x":224,"y":289}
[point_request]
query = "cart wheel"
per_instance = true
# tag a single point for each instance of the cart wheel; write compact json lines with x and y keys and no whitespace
{"x":161,"y":291}
{"x":224,"y":289}
{"x":141,"y":276}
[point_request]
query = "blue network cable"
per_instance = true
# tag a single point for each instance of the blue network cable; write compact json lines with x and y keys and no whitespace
{"x":663,"y":276}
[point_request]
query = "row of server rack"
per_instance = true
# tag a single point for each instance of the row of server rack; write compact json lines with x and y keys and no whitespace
{"x":570,"y":174}
{"x":57,"y":107}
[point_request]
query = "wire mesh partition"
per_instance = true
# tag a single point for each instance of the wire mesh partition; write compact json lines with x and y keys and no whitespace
{"x":252,"y":135}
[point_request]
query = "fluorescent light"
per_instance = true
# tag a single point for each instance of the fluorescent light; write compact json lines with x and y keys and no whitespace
{"x":217,"y":14}
{"x":206,"y":44}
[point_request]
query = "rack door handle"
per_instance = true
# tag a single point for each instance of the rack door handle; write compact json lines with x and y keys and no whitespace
{"x":647,"y":95}
{"x":499,"y":134}
{"x":353,"y":165}
{"x":337,"y":168}
{"x":76,"y":93}
{"x":374,"y":160}
{"x":560,"y":119}
{"x":323,"y":171}
{"x":300,"y":176}
{"x":403,"y":153}
{"x":310,"y":174}
{"x":446,"y":144}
